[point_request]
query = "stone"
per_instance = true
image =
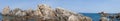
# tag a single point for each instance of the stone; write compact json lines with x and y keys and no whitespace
{"x":104,"y":19}
{"x":15,"y":11}
{"x":6,"y":10}
{"x":38,"y":12}
{"x":20,"y":13}
{"x":103,"y":14}
{"x":45,"y":13}
{"x":68,"y":15}
{"x":63,"y":12}
{"x":73,"y":18}
{"x":30,"y":12}
{"x":87,"y":18}
{"x":46,"y":10}
{"x":79,"y":18}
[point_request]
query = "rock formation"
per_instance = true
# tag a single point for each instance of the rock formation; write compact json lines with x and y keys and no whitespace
{"x":79,"y":18}
{"x":62,"y":13}
{"x":16,"y":11}
{"x":87,"y":18}
{"x":104,"y":19}
{"x":114,"y":17}
{"x":111,"y":17}
{"x":6,"y":10}
{"x":73,"y":18}
{"x":20,"y":13}
{"x":47,"y":12}
{"x":43,"y":13}
{"x":103,"y":16}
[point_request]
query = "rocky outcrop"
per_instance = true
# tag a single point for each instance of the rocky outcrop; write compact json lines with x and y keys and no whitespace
{"x":6,"y":10}
{"x":87,"y":19}
{"x":30,"y":12}
{"x":44,"y":13}
{"x":73,"y":18}
{"x":20,"y":13}
{"x":103,"y":16}
{"x":79,"y":18}
{"x":104,"y":19}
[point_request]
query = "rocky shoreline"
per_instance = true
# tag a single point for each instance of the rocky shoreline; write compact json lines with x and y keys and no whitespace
{"x":46,"y":13}
{"x":42,"y":13}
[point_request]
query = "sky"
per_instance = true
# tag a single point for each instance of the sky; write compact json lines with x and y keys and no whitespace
{"x":84,"y":6}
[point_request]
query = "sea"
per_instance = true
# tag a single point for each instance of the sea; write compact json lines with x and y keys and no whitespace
{"x":0,"y":17}
{"x":94,"y":16}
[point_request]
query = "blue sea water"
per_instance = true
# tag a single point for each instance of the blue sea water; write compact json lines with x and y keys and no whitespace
{"x":94,"y":16}
{"x":0,"y":17}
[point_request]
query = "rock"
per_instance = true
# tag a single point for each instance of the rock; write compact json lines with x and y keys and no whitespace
{"x":112,"y":18}
{"x":46,"y":10}
{"x":87,"y":19}
{"x":30,"y":12}
{"x":45,"y":13}
{"x":104,"y":19}
{"x":6,"y":10}
{"x":64,"y":12}
{"x":79,"y":18}
{"x":73,"y":18}
{"x":38,"y":12}
{"x":20,"y":13}
{"x":15,"y":11}
{"x":118,"y":17}
{"x":70,"y":16}
{"x":5,"y":19}
{"x":103,"y":14}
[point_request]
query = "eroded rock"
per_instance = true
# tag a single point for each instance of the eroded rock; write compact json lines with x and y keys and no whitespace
{"x":15,"y":11}
{"x":70,"y":16}
{"x":87,"y":19}
{"x":104,"y":19}
{"x":20,"y":13}
{"x":46,"y":10}
{"x":45,"y":13}
{"x":6,"y":10}
{"x":73,"y":18}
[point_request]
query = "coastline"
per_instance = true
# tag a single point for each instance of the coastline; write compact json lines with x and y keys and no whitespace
{"x":46,"y":13}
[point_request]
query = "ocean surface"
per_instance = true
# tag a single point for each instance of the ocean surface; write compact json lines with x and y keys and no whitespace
{"x":0,"y":17}
{"x":94,"y":16}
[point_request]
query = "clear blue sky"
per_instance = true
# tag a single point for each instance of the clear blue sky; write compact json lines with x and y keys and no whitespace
{"x":84,"y":6}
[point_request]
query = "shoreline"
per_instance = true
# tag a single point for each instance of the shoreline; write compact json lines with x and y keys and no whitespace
{"x":46,"y":13}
